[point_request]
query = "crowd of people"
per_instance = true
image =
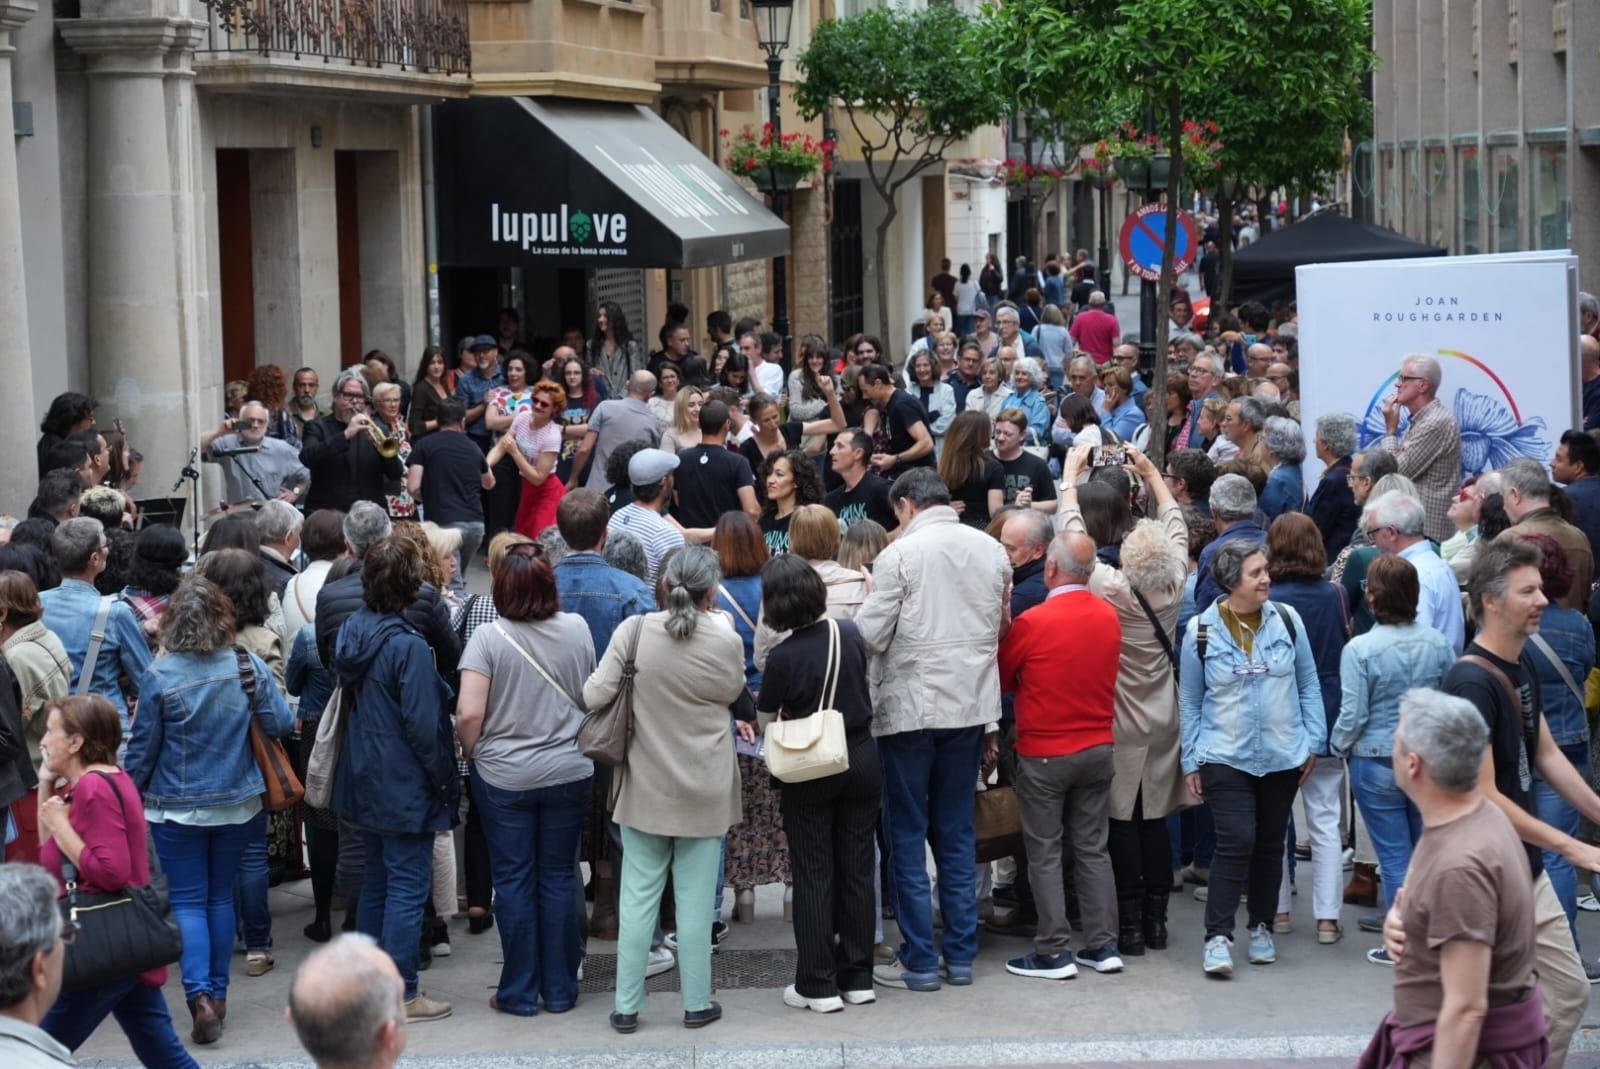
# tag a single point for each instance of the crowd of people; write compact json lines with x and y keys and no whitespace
{"x":1079,"y":681}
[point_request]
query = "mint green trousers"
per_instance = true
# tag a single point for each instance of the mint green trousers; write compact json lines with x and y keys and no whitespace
{"x":646,"y":859}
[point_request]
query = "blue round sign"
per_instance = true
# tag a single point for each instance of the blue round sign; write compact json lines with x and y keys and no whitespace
{"x":1143,"y":237}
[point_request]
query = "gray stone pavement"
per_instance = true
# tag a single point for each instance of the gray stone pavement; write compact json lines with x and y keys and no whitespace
{"x":1315,"y":1007}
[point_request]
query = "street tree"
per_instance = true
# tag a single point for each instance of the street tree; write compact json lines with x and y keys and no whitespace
{"x":911,"y":84}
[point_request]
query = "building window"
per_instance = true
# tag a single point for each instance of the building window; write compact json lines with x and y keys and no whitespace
{"x":1505,"y":193}
{"x":1471,"y":240}
{"x":1550,"y":196}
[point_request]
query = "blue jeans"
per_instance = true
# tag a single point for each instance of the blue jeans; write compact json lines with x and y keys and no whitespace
{"x":398,"y":880}
{"x":1192,"y":833}
{"x":139,"y":1009}
{"x":201,"y":863}
{"x":1392,"y":821}
{"x":929,"y":783}
{"x":533,"y":838}
{"x":1557,"y":812}
{"x":471,"y":539}
{"x":250,"y":895}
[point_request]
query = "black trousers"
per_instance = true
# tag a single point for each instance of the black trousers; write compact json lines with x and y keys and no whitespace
{"x":832,"y":824}
{"x":1141,"y":854}
{"x":1251,"y":814}
{"x":475,"y":851}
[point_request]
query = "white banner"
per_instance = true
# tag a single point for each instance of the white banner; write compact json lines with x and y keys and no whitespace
{"x":1503,"y":328}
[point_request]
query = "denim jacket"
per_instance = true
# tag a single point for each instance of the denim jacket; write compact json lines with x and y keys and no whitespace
{"x":1256,"y":723}
{"x":1033,"y":406}
{"x":306,"y":677}
{"x":70,"y":610}
{"x":1568,"y":633}
{"x":190,"y":744}
{"x":1376,"y":669}
{"x":604,"y":596}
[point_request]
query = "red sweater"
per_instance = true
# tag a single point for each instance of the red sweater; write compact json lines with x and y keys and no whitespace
{"x":1060,"y":659}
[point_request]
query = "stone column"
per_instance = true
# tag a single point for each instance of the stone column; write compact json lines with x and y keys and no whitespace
{"x":135,"y":313}
{"x":18,"y":420}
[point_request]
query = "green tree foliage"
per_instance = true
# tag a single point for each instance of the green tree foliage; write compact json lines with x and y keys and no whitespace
{"x":910,"y":85}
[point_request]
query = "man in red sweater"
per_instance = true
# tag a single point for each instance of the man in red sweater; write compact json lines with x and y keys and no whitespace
{"x":1063,"y":776}
{"x":1096,"y":330}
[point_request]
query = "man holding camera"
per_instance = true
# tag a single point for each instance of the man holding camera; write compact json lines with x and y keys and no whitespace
{"x":255,"y":466}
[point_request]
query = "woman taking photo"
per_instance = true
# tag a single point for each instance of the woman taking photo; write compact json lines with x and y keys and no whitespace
{"x":1375,"y":670}
{"x":583,"y":396}
{"x":976,"y":479}
{"x":93,"y":819}
{"x":396,"y":777}
{"x":1143,"y":579}
{"x":43,"y":672}
{"x":612,"y":349}
{"x":1298,"y":561}
{"x":529,"y":782}
{"x":990,"y":397}
{"x":271,"y":389}
{"x":679,"y":794}
{"x":429,"y":389}
{"x":791,"y":480}
{"x":937,"y":398}
{"x":189,"y":755}
{"x":1250,"y":714}
{"x":532,"y":443}
{"x":830,"y":822}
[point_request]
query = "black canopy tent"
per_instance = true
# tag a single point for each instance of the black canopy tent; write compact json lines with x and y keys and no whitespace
{"x":1264,"y":271}
{"x":565,"y":183}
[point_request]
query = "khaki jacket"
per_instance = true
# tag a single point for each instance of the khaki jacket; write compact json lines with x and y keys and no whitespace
{"x":44,"y":672}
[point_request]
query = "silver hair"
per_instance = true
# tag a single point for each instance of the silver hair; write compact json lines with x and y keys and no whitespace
{"x":1027,"y":365}
{"x":1253,"y":412}
{"x":1284,"y":439}
{"x":386,"y":389}
{"x":1394,"y":483}
{"x":1185,"y":337}
{"x":624,"y":552}
{"x":74,"y":541}
{"x":1067,"y":553}
{"x":1151,"y":561}
{"x":1394,"y":509}
{"x":1524,"y":475}
{"x":1232,"y":498}
{"x":341,"y":1025}
{"x":1377,"y":462}
{"x":365,"y":525}
{"x":689,"y":576}
{"x":1588,"y":303}
{"x":1079,"y":361}
{"x":1037,"y":527}
{"x":1447,"y":732}
{"x":277,"y":520}
{"x":1096,"y":298}
{"x":29,"y":925}
{"x":555,"y":547}
{"x":1227,"y":567}
{"x":1338,"y":432}
{"x":1213,"y":362}
{"x":349,"y":375}
{"x":1426,"y":366}
{"x":1004,"y":310}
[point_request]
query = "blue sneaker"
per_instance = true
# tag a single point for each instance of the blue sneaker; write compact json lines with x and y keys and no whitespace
{"x":896,"y":974}
{"x":956,"y":975}
{"x":1262,"y":950}
{"x":1219,"y":956}
{"x":1380,"y":956}
{"x":1044,"y":966}
{"x":1101,"y":959}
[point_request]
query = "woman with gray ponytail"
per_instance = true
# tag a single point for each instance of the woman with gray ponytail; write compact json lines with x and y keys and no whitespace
{"x":677,"y":791}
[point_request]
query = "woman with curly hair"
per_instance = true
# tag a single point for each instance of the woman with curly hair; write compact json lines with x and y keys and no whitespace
{"x":269,"y":386}
{"x":791,"y":480}
{"x":159,"y":554}
{"x":533,"y":444}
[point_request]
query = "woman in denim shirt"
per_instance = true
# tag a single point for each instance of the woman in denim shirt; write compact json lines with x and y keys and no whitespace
{"x":1567,"y":634}
{"x":1396,"y":655}
{"x":1250,"y":726}
{"x":189,"y":754}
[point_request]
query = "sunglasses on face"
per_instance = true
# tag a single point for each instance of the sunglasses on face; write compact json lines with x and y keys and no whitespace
{"x":542,"y":404}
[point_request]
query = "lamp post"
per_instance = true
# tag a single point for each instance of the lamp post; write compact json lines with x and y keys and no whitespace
{"x":1149,"y":179}
{"x":773,"y":19}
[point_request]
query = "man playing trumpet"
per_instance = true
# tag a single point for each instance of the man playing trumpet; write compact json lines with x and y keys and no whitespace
{"x":348,"y":455}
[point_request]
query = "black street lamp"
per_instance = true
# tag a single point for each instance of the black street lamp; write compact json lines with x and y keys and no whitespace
{"x":773,"y":19}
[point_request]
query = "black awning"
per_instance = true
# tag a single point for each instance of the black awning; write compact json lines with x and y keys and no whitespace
{"x":563,"y":183}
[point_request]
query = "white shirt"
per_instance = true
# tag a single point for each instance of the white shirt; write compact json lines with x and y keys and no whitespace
{"x":769,"y":378}
{"x":1440,"y":604}
{"x":658,"y":536}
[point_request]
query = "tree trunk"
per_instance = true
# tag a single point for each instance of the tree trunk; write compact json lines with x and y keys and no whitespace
{"x":1158,"y":375}
{"x":1225,"y":251}
{"x":892,"y":346}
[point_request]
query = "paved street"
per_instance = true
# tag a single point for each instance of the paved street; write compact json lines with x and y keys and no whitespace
{"x":1314,"y":1008}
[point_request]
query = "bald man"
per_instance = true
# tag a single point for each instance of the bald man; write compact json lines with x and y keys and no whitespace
{"x":1257,"y":359}
{"x":619,"y":420}
{"x":346,"y":1005}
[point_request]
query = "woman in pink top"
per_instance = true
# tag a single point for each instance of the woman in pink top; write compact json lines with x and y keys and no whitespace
{"x":90,"y":816}
{"x":534,"y":444}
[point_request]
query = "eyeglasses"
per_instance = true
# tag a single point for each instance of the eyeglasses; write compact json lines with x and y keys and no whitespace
{"x":1412,"y":378}
{"x":348,"y":396}
{"x":1201,"y":371}
{"x":1249,"y":669}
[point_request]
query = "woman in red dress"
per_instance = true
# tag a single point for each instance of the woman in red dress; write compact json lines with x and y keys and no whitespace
{"x":533,"y":443}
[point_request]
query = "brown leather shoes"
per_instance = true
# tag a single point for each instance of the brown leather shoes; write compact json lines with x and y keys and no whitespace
{"x":1362,"y":890}
{"x":207,"y":1022}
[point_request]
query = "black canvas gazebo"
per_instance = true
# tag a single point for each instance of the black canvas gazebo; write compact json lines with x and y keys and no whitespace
{"x":1264,"y":271}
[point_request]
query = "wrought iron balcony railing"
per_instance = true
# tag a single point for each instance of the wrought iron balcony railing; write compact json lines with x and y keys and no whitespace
{"x":426,"y":36}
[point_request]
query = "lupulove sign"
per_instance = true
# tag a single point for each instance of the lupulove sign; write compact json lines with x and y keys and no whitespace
{"x":1501,"y":328}
{"x":581,"y":184}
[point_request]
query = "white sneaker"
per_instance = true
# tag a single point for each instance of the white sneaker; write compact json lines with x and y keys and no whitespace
{"x":859,"y":998}
{"x":794,"y":998}
{"x":1588,"y":902}
{"x":660,"y":961}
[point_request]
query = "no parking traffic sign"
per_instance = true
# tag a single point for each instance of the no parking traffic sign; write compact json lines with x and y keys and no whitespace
{"x":1142,"y":238}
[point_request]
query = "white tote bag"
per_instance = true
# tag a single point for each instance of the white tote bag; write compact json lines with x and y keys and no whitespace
{"x":325,"y":749}
{"x":808,"y":749}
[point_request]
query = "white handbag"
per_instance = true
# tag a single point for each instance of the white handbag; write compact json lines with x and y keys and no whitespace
{"x":814,"y":747}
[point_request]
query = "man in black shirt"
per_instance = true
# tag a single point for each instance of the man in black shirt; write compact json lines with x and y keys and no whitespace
{"x":863,"y":495}
{"x":1504,"y":588}
{"x":447,"y":471}
{"x":345,"y":464}
{"x":711,"y":478}
{"x":1028,"y":480}
{"x":910,"y":439}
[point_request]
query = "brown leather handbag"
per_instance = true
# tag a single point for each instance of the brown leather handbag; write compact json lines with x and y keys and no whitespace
{"x":283,"y":788}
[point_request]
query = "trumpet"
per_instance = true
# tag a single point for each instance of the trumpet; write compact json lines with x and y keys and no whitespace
{"x":387,"y":445}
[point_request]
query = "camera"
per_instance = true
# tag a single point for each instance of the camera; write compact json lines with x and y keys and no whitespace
{"x":239,"y":425}
{"x":1108,"y":456}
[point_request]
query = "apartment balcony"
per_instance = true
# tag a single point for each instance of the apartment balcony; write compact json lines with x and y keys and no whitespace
{"x":708,"y":44}
{"x":401,"y":51}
